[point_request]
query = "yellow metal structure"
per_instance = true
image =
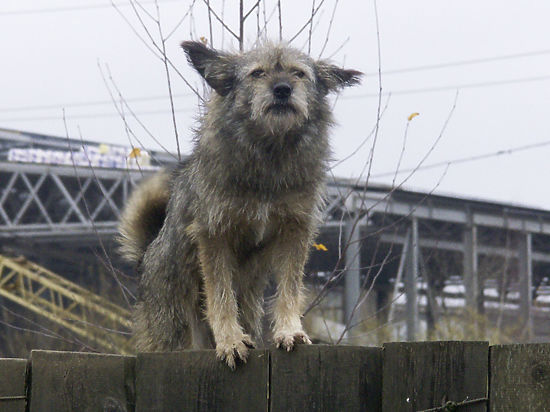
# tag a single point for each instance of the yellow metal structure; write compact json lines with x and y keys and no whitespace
{"x":86,"y":314}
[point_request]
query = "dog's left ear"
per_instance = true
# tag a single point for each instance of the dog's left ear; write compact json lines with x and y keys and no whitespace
{"x":217,"y":68}
{"x":334,"y":78}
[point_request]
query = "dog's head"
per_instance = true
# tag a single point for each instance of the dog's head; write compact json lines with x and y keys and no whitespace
{"x":275,"y":86}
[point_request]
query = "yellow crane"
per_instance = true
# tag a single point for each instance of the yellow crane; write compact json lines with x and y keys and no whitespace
{"x":86,"y":314}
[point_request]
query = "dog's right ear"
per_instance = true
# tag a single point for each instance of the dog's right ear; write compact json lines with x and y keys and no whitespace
{"x":217,"y":68}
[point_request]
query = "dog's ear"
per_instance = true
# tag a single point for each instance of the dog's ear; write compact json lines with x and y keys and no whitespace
{"x":333,"y":78}
{"x":217,"y":68}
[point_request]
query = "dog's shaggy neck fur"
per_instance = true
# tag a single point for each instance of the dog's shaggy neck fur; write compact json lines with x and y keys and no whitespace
{"x":259,"y":161}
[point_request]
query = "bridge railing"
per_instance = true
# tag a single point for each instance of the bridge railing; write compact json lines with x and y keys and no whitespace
{"x":48,"y":200}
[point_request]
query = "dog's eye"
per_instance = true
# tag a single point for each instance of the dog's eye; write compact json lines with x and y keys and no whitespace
{"x":257,"y":73}
{"x":299,"y":73}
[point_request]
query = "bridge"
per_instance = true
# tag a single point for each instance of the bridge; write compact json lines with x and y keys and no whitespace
{"x":422,"y":251}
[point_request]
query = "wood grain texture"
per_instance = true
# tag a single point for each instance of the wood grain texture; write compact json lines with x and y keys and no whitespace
{"x":520,"y":377}
{"x":326,"y":378}
{"x":71,"y":381}
{"x":422,"y":375}
{"x":12,"y":385}
{"x":197,"y":381}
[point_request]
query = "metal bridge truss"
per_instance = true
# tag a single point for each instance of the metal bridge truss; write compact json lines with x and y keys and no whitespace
{"x":412,"y":222}
{"x":102,"y":323}
{"x":61,"y":201}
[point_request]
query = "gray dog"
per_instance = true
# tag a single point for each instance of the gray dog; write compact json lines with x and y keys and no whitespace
{"x":243,"y":206}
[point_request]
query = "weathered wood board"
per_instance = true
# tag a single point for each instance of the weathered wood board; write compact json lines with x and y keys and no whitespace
{"x":71,"y":381}
{"x":424,"y":375}
{"x":326,"y":378}
{"x":520,"y":378}
{"x":198,"y":381}
{"x":12,"y":385}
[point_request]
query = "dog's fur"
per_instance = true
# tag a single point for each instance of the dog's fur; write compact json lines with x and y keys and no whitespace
{"x":243,"y":206}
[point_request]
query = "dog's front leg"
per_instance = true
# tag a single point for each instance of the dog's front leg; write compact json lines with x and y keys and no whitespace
{"x":289,"y":257}
{"x":218,"y":267}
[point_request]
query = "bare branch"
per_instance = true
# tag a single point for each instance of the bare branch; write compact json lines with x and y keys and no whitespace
{"x":211,"y":40}
{"x":251,"y":10}
{"x":223,"y":32}
{"x":180,"y":22}
{"x":280,"y":21}
{"x":329,"y":28}
{"x":158,"y":52}
{"x":310,"y":27}
{"x":339,"y":48}
{"x":126,"y":104}
{"x":365,"y":140}
{"x":135,"y":31}
{"x":306,"y":23}
{"x":241,"y":25}
{"x":225,"y":26}
{"x":168,"y":80}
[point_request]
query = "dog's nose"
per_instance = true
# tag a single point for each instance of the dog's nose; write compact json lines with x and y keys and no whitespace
{"x":282,"y":90}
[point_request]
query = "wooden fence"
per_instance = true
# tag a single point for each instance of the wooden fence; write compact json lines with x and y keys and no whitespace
{"x":420,"y":376}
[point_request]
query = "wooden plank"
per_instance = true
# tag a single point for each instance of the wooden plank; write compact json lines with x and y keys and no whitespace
{"x":70,"y":381}
{"x":197,"y":381}
{"x":520,"y":377}
{"x":326,"y":378}
{"x":423,"y":375}
{"x":12,"y":385}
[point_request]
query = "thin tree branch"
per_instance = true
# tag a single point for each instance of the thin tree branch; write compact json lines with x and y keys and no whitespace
{"x":329,"y":29}
{"x":168,"y":80}
{"x":308,"y":22}
{"x":225,"y":26}
{"x":251,"y":10}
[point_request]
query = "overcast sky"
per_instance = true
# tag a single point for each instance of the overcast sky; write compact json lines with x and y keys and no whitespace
{"x":495,"y":55}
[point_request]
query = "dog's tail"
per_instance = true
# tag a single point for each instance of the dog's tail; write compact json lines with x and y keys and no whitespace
{"x":143,"y":216}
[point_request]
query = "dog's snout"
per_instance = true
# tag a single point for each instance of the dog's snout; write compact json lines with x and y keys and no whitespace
{"x":282,"y":90}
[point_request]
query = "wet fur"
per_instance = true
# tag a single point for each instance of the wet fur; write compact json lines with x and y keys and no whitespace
{"x":242,"y":208}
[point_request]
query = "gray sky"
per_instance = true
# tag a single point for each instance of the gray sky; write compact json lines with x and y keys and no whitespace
{"x":52,"y":50}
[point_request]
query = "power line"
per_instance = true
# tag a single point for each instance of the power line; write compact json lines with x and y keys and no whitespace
{"x":93,"y":103}
{"x":484,"y":156}
{"x":72,"y":8}
{"x":91,"y":115}
{"x":344,"y":97}
{"x":462,"y":62}
{"x":455,"y":87}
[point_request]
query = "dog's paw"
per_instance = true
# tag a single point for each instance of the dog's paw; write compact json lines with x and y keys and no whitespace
{"x":289,"y":340}
{"x":233,"y":351}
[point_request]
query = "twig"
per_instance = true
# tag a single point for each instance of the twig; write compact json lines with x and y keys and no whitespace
{"x":169,"y":82}
{"x":307,"y":23}
{"x":225,"y":26}
{"x":129,"y":108}
{"x":241,"y":25}
{"x":337,"y":50}
{"x":365,"y":140}
{"x":280,"y":21}
{"x":251,"y":10}
{"x":211,"y":40}
{"x":157,"y":53}
{"x":379,"y":106}
{"x":329,"y":29}
{"x":180,"y":22}
{"x":310,"y":27}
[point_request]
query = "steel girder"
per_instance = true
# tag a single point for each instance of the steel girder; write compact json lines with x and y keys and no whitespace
{"x":59,"y":201}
